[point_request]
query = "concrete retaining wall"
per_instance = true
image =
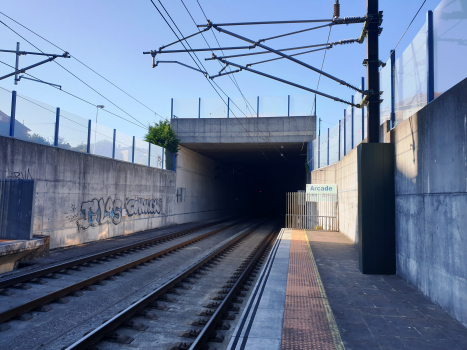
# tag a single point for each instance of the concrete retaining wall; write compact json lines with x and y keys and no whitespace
{"x":82,"y":198}
{"x":431,"y":198}
{"x":344,"y":174}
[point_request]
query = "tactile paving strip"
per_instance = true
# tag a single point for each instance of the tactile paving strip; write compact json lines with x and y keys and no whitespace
{"x":308,"y":320}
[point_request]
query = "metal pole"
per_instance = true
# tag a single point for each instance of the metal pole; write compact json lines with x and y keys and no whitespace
{"x":149,"y":155}
{"x":430,"y":58}
{"x":171,"y":108}
{"x":114,"y":141}
{"x":288,"y":106}
{"x":88,"y":148}
{"x":228,"y":107}
{"x":352,"y":121}
{"x":133,"y":151}
{"x":199,"y":108}
{"x":163,"y":156}
{"x":17,"y":63}
{"x":339,"y":142}
{"x":13,"y":114}
{"x":328,"y":146}
{"x":315,"y":104}
{"x":257,"y":107}
{"x":373,"y":120}
{"x":319,"y":150}
{"x":393,"y":85}
{"x":57,"y":126}
{"x":363,"y":112}
{"x":345,"y":138}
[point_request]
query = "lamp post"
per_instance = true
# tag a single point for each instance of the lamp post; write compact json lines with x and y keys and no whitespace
{"x":95,"y":130}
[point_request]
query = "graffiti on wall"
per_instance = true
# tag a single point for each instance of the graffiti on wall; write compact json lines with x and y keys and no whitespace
{"x":107,"y":211}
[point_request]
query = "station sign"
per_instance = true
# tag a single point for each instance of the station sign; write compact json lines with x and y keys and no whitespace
{"x":321,"y":193}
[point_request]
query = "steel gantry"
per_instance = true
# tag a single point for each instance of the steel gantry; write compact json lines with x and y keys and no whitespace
{"x":371,"y":31}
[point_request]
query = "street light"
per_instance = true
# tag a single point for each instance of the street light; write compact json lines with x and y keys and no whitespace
{"x":95,"y":130}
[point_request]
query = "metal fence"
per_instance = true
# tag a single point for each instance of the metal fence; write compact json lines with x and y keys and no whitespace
{"x":431,"y":64}
{"x":312,"y":211}
{"x":30,"y":120}
{"x":260,"y":106}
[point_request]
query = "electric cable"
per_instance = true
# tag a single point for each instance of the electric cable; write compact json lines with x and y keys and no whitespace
{"x":72,"y":74}
{"x":233,"y":81}
{"x":413,"y":19}
{"x":83,"y":64}
{"x":199,"y":66}
{"x":317,"y":86}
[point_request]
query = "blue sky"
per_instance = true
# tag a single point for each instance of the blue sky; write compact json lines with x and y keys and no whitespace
{"x":110,"y":37}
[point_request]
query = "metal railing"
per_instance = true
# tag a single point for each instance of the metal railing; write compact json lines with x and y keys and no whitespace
{"x":312,"y":211}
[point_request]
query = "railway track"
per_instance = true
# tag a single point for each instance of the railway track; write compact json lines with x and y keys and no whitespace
{"x":194,"y":308}
{"x":36,"y":290}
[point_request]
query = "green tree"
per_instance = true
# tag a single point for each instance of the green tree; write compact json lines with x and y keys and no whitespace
{"x":162,"y":134}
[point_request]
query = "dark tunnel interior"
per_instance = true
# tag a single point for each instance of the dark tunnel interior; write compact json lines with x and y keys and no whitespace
{"x":258,"y":176}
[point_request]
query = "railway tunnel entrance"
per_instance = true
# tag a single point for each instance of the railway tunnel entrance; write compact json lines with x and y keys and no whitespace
{"x":260,"y":159}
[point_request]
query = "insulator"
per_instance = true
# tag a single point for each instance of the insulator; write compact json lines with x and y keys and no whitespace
{"x":337,"y":9}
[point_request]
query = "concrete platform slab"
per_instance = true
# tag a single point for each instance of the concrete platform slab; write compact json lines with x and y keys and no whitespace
{"x":314,"y":297}
{"x":13,"y":250}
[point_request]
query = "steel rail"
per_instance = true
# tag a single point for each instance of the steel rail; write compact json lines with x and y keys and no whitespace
{"x":46,"y":299}
{"x":210,"y":326}
{"x":291,"y":59}
{"x":8,"y":282}
{"x":110,"y":325}
{"x":291,"y":83}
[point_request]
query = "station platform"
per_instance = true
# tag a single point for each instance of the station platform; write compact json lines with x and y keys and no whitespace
{"x":311,"y":295}
{"x":13,"y":250}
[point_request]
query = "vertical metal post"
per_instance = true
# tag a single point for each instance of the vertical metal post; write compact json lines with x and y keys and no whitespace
{"x":199,"y":108}
{"x":88,"y":148}
{"x":328,"y":146}
{"x":288,"y":105}
{"x":17,"y":63}
{"x":315,"y":104}
{"x":363,"y":112}
{"x":257,"y":107}
{"x":345,"y":136}
{"x":319,"y":150}
{"x":133,"y":151}
{"x":13,"y":114}
{"x":149,"y":155}
{"x":373,"y":120}
{"x":430,"y":58}
{"x":114,"y":141}
{"x":353,"y":124}
{"x":171,"y":108}
{"x":339,"y":142}
{"x":393,"y":86}
{"x":175,"y":162}
{"x":163,"y":156}
{"x":228,"y":107}
{"x":57,"y":126}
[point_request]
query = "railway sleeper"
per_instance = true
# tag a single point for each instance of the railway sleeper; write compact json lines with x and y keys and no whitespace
{"x":138,"y":326}
{"x":179,"y":346}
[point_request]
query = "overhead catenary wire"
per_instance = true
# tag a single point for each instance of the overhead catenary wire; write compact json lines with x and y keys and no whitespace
{"x":105,"y":110}
{"x":413,"y":19}
{"x":234,"y":81}
{"x":74,"y":75}
{"x":200,"y":67}
{"x":85,"y":65}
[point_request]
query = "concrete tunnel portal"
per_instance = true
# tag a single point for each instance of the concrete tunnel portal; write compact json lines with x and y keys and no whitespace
{"x":260,"y":159}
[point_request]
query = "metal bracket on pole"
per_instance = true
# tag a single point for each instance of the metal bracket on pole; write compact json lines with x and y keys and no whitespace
{"x":290,"y":83}
{"x":39,"y":81}
{"x":156,"y":63}
{"x":18,"y":53}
